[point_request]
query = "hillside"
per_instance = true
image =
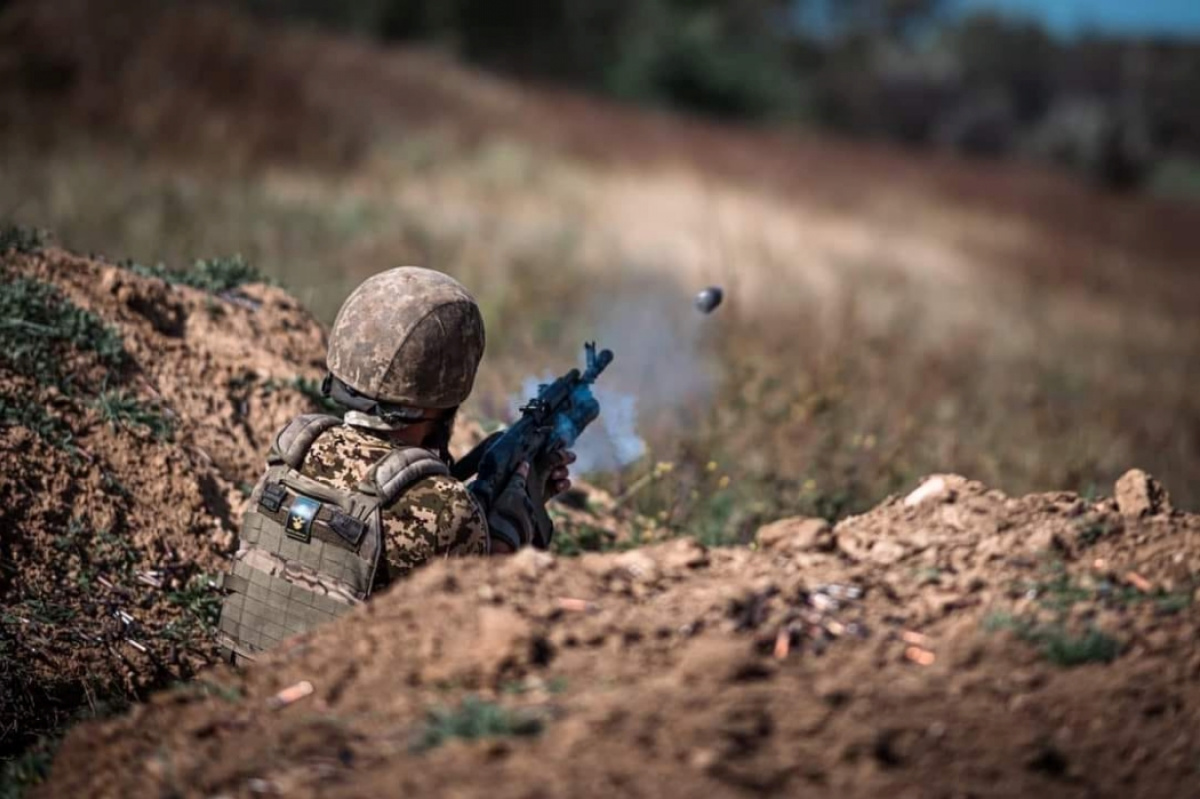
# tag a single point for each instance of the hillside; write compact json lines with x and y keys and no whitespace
{"x":760,"y":604}
{"x":888,"y":315}
{"x":957,"y":636}
{"x":136,"y":409}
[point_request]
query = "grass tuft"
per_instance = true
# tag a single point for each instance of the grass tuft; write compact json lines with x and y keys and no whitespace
{"x":574,"y":540}
{"x":312,"y":389}
{"x":214,"y":275}
{"x":1056,"y":643}
{"x":28,"y":770}
{"x":37,"y":325}
{"x":474,"y":719}
{"x":33,"y":416}
{"x":201,"y":605}
{"x":122,"y":409}
{"x":14,"y":238}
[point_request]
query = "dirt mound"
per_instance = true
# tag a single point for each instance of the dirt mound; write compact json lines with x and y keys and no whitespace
{"x":957,"y":642}
{"x":131,"y":410}
{"x":135,"y":409}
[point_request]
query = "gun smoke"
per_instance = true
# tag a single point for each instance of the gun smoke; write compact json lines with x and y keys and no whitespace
{"x":661,"y":380}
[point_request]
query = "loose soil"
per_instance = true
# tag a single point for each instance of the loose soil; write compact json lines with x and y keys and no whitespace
{"x":895,"y":654}
{"x":109,"y":532}
{"x":106,"y":539}
{"x":956,"y":642}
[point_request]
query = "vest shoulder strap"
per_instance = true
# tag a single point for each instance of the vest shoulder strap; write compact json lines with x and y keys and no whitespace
{"x":398,"y":471}
{"x":293,"y":441}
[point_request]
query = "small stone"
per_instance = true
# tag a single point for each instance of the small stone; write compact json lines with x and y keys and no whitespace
{"x":638,"y":566}
{"x":886,"y":552}
{"x":682,"y":555}
{"x":796,"y":534}
{"x":530,"y":563}
{"x":1138,"y":494}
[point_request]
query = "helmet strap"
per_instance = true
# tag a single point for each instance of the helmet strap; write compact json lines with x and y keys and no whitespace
{"x":391,"y":413}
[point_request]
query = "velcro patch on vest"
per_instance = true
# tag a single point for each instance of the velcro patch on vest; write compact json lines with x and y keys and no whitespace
{"x":272,"y":497}
{"x":348,"y":527}
{"x":300,"y":518}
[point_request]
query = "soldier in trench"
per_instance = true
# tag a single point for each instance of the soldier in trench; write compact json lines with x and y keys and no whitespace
{"x":348,"y":505}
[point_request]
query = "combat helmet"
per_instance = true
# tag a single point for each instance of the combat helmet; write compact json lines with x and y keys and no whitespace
{"x":406,"y":339}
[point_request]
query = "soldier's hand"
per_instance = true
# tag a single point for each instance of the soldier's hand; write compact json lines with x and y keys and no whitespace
{"x":511,"y":521}
{"x":557,"y":473}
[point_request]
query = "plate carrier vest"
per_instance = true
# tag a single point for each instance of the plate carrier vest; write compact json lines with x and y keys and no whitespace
{"x":309,"y":552}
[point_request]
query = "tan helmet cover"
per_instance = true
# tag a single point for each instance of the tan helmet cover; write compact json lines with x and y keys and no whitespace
{"x":408,"y":336}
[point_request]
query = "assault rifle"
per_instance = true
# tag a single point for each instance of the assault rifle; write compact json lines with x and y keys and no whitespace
{"x":550,"y":421}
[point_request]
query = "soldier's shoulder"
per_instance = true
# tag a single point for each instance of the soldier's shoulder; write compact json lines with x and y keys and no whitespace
{"x":436,"y":516}
{"x":438,"y":494}
{"x":343,"y":455}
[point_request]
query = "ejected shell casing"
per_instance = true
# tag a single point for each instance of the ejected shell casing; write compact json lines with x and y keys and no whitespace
{"x":708,"y":299}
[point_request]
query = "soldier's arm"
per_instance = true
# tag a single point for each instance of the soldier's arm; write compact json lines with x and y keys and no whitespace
{"x":437,"y":517}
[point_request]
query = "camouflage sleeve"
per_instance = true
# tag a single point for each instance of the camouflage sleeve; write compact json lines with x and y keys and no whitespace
{"x":437,"y":517}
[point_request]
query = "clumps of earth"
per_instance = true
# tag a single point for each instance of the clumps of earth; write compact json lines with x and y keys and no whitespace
{"x":951,"y":642}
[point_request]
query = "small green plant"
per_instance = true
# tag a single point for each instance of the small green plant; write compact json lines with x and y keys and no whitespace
{"x":1092,"y":531}
{"x":572,"y":540}
{"x":311,"y":389}
{"x":37,"y":323}
{"x":27,"y":770}
{"x":1065,"y":649}
{"x":32,"y":415}
{"x":214,"y":275}
{"x":473,"y":719}
{"x":1056,"y":643}
{"x":201,"y":604}
{"x":221,"y":274}
{"x":123,"y":409}
{"x":22,"y":239}
{"x":43,"y":611}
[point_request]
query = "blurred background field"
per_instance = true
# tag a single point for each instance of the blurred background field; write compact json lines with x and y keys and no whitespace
{"x":950,"y":241}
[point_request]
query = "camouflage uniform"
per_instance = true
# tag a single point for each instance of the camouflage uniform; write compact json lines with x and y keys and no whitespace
{"x":437,"y":517}
{"x":341,"y":509}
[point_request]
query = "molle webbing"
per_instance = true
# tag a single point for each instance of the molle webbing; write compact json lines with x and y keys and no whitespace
{"x":281,"y":587}
{"x":309,"y":551}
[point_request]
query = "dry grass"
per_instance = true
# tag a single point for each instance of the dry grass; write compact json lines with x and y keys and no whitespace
{"x":888,"y":316}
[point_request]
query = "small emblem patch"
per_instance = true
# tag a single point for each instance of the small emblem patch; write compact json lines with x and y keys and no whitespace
{"x":300,"y":518}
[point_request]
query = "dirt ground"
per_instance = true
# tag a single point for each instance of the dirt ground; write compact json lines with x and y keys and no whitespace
{"x":955,"y":642}
{"x":912,"y":651}
{"x":111,"y":528}
{"x":951,"y":642}
{"x":107,"y":537}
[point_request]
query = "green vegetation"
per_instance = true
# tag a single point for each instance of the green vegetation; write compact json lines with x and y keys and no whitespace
{"x":122,"y":409}
{"x":473,"y":719}
{"x":48,"y":340}
{"x":215,"y":275}
{"x":1058,"y":645}
{"x":571,"y":540}
{"x":38,"y":326}
{"x":201,"y":604}
{"x":22,"y":239}
{"x":910,"y":71}
{"x":29,"y":769}
{"x":1057,"y":592}
{"x":1091,"y":531}
{"x":33,"y":416}
{"x":42,"y":338}
{"x":311,"y":389}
